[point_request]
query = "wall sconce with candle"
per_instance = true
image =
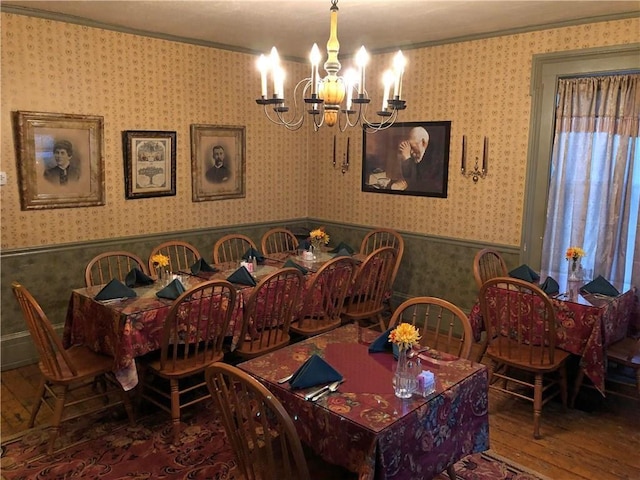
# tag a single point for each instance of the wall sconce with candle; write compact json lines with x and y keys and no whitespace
{"x":476,"y":173}
{"x":345,"y":162}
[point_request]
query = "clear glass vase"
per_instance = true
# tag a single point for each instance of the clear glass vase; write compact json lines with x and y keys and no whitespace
{"x":575,"y":270}
{"x":405,"y":378}
{"x":316,"y":249}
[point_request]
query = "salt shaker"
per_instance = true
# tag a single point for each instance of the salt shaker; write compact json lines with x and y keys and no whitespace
{"x":426,"y":383}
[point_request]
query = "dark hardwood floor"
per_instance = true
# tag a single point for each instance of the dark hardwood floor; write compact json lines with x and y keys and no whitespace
{"x":598,"y":440}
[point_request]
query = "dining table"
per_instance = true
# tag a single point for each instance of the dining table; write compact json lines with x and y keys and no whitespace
{"x":363,"y":426}
{"x":127,"y":328}
{"x":586,"y":323}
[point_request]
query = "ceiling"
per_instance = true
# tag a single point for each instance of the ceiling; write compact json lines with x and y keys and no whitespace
{"x":255,"y":26}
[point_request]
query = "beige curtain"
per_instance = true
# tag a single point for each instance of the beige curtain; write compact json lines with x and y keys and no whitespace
{"x":595,"y":178}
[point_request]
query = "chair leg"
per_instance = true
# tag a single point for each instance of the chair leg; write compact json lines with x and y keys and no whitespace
{"x":451,"y":471}
{"x":383,"y":326}
{"x":638,"y":382}
{"x":537,"y":405}
{"x":126,"y":401}
{"x":175,"y":410}
{"x":576,"y":387}
{"x":38,"y":403}
{"x":60,"y":393}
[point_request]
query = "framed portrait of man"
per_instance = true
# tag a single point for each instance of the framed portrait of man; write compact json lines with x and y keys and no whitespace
{"x":410,"y":158}
{"x":217,"y":162}
{"x":60,"y":160}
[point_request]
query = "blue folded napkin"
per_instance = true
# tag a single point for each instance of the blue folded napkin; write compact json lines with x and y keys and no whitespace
{"x":524,"y":272}
{"x":343,"y":252}
{"x":291,"y":263}
{"x":202,"y":266}
{"x":382,"y":343}
{"x":343,"y":246}
{"x":600,"y":285}
{"x":115,"y":289}
{"x":137,"y":278}
{"x":550,"y":286}
{"x":252,"y":252}
{"x":315,"y":371}
{"x":172,"y":291}
{"x":242,"y":276}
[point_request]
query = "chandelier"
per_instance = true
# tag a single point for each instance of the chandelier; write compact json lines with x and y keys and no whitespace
{"x":323,"y":97}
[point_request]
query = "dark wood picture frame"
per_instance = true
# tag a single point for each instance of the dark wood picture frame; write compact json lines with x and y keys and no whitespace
{"x":218,"y":162}
{"x":149,"y":163}
{"x":388,"y":167}
{"x":60,"y":160}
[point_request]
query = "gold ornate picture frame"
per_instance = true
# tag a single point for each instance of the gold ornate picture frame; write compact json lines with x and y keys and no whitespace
{"x":60,"y":160}
{"x":217,"y":162}
{"x":149,"y":163}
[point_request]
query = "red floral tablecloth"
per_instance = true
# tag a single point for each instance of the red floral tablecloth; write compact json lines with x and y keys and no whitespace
{"x":132,"y":327}
{"x":585,"y":327}
{"x":364,"y":426}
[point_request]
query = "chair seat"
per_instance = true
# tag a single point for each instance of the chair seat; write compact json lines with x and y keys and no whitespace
{"x":87,"y":363}
{"x":314,"y":326}
{"x":519,"y":357}
{"x":263,"y":342}
{"x":182,"y":368}
{"x":619,"y":352}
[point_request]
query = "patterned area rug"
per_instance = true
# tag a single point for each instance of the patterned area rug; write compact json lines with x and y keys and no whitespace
{"x":109,"y":448}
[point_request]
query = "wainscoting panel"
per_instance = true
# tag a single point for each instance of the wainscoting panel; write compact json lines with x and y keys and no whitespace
{"x":430,"y":266}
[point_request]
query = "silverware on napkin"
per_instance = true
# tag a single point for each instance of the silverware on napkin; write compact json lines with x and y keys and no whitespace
{"x":317,"y":392}
{"x":332,"y":388}
{"x":285,"y":379}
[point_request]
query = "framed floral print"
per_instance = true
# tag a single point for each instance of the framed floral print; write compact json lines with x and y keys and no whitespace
{"x":149,"y":163}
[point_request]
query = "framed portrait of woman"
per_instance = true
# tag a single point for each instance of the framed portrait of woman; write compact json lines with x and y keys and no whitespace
{"x":60,"y":160}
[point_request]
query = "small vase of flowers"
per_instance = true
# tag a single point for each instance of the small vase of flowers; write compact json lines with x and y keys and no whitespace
{"x":160,"y":263}
{"x":574,"y":256}
{"x":318,"y":238}
{"x":405,"y":381}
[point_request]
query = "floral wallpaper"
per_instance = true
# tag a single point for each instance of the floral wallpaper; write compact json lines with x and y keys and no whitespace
{"x":140,"y":83}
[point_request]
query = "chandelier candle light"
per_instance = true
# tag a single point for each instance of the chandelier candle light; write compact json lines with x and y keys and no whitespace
{"x":325,"y":96}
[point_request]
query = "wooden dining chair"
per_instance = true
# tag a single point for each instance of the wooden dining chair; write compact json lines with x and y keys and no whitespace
{"x":108,"y":265}
{"x":442,"y":325}
{"x":488,"y":263}
{"x":521,"y":338}
{"x":68,"y":375}
{"x":259,"y":429}
{"x":324,"y":299}
{"x":231,"y":248}
{"x":365,"y":301}
{"x":268,"y":313}
{"x":384,"y":237}
{"x":279,"y":240}
{"x":192,"y":337}
{"x":181,"y":255}
{"x":623,"y":370}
